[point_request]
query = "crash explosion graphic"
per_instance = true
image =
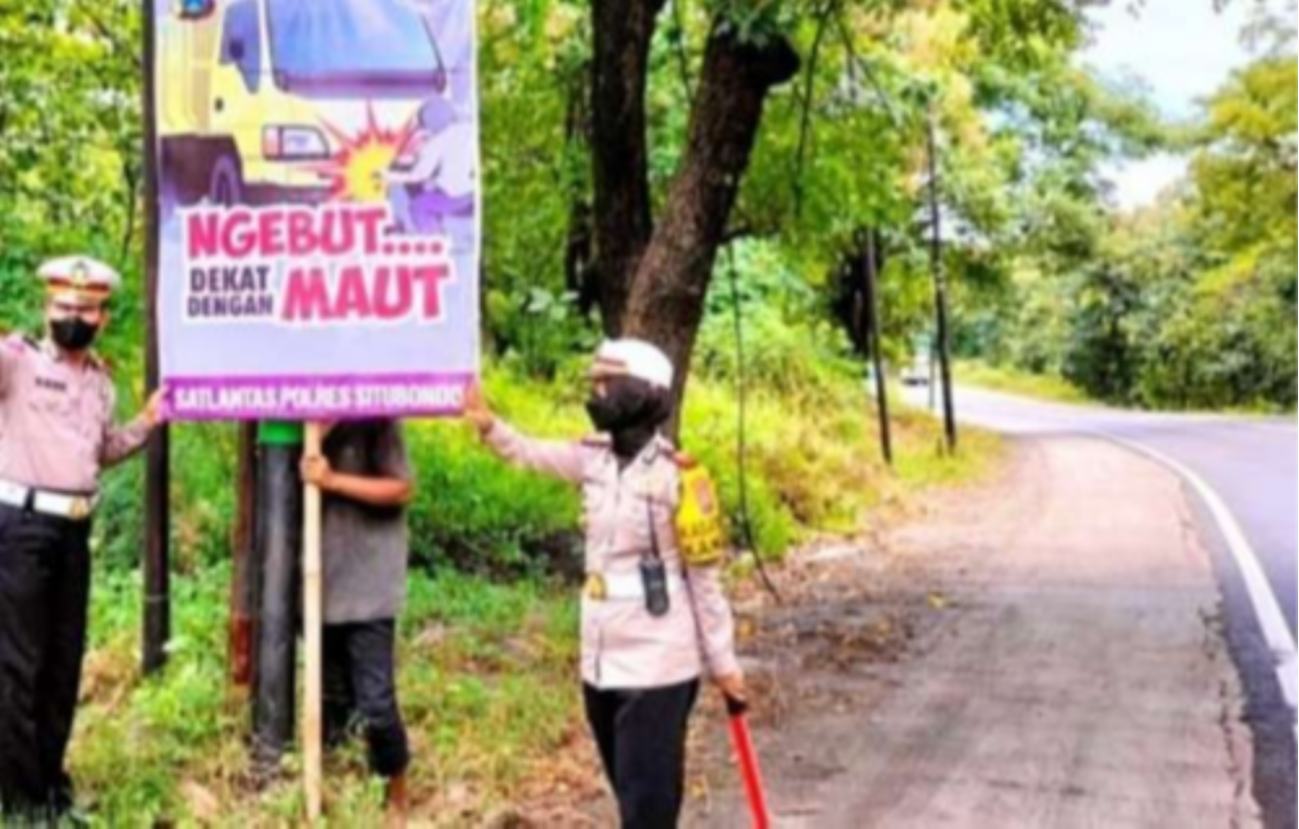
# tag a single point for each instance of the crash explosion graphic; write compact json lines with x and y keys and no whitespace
{"x":356,"y":170}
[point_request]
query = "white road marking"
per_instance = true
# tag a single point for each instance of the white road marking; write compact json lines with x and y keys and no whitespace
{"x":1266,"y":607}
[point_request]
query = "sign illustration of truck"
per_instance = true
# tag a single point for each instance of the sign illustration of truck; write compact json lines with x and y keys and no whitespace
{"x":291,"y":101}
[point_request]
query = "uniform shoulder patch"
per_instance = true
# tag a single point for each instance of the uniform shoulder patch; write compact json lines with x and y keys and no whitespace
{"x":14,"y":345}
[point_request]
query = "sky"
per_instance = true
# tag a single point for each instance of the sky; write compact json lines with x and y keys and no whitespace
{"x":1183,"y":51}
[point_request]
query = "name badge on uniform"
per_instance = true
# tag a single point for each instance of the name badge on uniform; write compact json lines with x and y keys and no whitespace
{"x":596,"y":589}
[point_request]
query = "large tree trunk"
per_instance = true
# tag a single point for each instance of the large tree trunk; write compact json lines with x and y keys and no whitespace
{"x":623,"y":30}
{"x":666,"y":304}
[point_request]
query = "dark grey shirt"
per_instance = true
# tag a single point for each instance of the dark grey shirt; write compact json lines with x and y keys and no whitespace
{"x":365,"y":547}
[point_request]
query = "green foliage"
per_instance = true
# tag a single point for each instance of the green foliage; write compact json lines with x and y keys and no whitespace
{"x":475,"y":512}
{"x":533,"y":91}
{"x":788,"y":346}
{"x":1025,"y":35}
{"x":540,"y":330}
{"x":1104,"y":350}
{"x":129,"y":753}
{"x":1030,"y":384}
{"x":485,"y":690}
{"x":70,"y":128}
{"x":1189,"y":304}
{"x":1226,"y":348}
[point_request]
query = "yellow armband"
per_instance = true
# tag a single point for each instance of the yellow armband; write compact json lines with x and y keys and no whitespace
{"x":701,"y":536}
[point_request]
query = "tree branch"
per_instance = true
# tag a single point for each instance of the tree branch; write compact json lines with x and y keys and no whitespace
{"x":623,"y":31}
{"x":104,"y":31}
{"x":805,"y":128}
{"x":683,"y":59}
{"x":667,"y":299}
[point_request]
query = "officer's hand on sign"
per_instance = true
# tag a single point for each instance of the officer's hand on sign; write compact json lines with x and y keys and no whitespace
{"x":152,"y":412}
{"x":477,"y":411}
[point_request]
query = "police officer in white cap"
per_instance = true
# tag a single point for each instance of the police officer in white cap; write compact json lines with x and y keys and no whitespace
{"x":56,"y":435}
{"x":654,"y":616}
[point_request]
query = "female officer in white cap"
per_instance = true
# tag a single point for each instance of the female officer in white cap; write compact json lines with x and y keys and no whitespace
{"x":56,"y":434}
{"x":654,"y":616}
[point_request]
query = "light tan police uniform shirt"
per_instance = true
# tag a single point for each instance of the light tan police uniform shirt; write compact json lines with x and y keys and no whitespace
{"x":56,"y":419}
{"x":623,"y":646}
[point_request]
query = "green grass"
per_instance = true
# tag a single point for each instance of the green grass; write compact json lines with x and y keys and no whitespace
{"x":487,"y":686}
{"x":1001,"y":378}
{"x":814,"y":461}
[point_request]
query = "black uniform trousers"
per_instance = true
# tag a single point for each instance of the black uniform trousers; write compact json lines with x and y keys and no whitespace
{"x":360,"y":689}
{"x":44,"y":598}
{"x":641,"y":735}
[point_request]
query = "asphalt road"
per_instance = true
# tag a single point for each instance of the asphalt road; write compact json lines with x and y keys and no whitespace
{"x":1074,"y":675}
{"x":1251,"y":463}
{"x":1242,"y":472}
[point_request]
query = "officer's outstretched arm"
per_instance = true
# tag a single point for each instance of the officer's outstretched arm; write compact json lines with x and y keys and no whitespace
{"x":561,"y":459}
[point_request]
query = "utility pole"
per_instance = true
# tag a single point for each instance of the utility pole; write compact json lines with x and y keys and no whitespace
{"x":157,"y":521}
{"x":940,"y":286}
{"x":868,"y":262}
{"x":279,"y":542}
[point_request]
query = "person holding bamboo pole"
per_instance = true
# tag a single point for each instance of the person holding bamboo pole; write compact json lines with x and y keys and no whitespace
{"x":364,"y":475}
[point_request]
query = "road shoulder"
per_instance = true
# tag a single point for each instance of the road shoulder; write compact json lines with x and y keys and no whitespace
{"x":1043,"y":651}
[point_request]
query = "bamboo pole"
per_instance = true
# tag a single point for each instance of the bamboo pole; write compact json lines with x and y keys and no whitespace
{"x":313,"y":612}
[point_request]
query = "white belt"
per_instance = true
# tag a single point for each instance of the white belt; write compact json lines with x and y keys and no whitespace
{"x":625,"y":586}
{"x":74,"y":507}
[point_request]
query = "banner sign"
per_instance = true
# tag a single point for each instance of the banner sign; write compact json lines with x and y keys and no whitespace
{"x":319,"y":207}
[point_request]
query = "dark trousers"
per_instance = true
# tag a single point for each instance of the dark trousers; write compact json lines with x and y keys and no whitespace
{"x":44,"y":596}
{"x":361,"y":691}
{"x":641,"y":735}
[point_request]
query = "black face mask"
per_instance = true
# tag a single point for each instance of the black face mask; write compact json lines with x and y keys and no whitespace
{"x":631,"y":411}
{"x":606,"y":413}
{"x":73,"y":334}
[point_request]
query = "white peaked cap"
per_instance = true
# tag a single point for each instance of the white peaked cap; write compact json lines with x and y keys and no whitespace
{"x":634,"y":358}
{"x":79,"y":276}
